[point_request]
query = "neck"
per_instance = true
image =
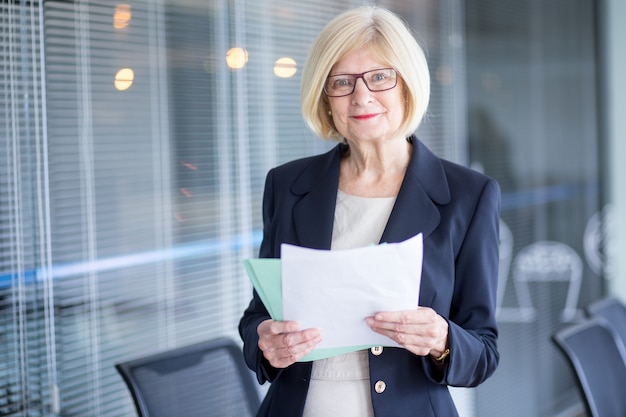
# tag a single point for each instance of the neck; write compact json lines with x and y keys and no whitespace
{"x":375,"y":169}
{"x":378,"y":158}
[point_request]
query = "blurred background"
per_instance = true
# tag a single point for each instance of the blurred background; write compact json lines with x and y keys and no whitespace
{"x":135,"y":138}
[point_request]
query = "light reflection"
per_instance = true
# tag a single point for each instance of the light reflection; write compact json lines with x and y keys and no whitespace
{"x":189,"y":165}
{"x":236,"y":58}
{"x":285,"y":67}
{"x":122,"y":16}
{"x":124,"y":79}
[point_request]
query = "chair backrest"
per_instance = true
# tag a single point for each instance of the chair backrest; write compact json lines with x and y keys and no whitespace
{"x":613,"y":311}
{"x":598,"y":359}
{"x":206,"y":379}
{"x":547,"y":262}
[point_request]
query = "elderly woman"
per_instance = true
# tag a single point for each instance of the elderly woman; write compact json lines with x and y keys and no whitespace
{"x":366,"y":85}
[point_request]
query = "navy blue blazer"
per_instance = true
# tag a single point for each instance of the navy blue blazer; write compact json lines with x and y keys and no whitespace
{"x":457,"y":210}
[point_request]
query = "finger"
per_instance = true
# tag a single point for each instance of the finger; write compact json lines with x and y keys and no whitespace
{"x":285,"y":356}
{"x":293,"y":339}
{"x":420,"y":315}
{"x":421,"y":339}
{"x":414,"y":343}
{"x":306,"y":341}
{"x":398,"y":321}
{"x":274,"y":327}
{"x":385,"y":327}
{"x":278,"y":345}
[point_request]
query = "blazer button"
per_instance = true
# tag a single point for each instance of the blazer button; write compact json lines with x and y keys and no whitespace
{"x":377,"y":350}
{"x":380,"y":386}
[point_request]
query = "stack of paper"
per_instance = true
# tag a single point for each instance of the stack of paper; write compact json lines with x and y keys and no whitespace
{"x":336,"y":290}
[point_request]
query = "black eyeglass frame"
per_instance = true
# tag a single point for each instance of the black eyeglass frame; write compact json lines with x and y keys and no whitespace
{"x":362,"y":76}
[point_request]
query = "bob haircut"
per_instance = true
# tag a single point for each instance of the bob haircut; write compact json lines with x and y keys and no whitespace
{"x":391,"y":42}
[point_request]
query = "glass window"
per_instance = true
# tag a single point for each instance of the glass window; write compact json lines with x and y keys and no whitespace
{"x":533,"y":125}
{"x":136,"y":139}
{"x":138,"y":136}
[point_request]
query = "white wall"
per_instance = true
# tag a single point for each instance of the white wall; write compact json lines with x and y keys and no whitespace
{"x":616,"y":90}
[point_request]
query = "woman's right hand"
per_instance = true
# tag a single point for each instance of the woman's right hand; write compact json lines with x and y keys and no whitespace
{"x":283,"y":343}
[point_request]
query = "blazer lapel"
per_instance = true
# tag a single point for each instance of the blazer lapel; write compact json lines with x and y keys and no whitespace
{"x":416,"y":209}
{"x":423,"y":188}
{"x":315,"y":211}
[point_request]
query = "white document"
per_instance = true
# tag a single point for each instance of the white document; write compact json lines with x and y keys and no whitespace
{"x":336,"y":291}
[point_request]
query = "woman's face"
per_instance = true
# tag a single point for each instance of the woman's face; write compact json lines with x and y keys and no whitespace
{"x":365,"y":115}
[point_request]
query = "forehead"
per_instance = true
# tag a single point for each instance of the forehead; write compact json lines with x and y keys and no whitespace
{"x":359,"y":60}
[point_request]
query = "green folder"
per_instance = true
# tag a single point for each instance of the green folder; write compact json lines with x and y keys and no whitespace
{"x":265,"y":274}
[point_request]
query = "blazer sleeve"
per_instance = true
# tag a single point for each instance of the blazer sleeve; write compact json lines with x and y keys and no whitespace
{"x":256,"y":312}
{"x":472,"y":324}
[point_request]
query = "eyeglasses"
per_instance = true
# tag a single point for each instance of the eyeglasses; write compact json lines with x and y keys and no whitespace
{"x":375,"y":80}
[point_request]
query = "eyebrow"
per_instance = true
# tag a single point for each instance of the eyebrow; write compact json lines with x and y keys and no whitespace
{"x":358,"y":73}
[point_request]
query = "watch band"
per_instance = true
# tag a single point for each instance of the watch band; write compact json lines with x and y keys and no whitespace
{"x":443,"y":356}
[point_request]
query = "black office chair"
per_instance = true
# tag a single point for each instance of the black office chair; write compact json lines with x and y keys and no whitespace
{"x":206,"y":379}
{"x":598,"y":358}
{"x":613,"y":311}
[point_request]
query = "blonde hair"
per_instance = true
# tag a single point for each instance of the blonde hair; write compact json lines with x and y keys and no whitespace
{"x":391,"y":42}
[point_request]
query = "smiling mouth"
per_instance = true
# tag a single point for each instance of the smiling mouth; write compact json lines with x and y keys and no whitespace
{"x":365,"y":116}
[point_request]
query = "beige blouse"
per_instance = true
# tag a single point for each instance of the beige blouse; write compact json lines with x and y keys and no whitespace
{"x":340,"y":384}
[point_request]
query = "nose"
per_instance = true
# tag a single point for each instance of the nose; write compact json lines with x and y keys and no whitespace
{"x":361,"y":92}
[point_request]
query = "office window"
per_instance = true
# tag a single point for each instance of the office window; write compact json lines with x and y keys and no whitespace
{"x":25,"y":289}
{"x":533,"y":125}
{"x":137,"y":136}
{"x":133,"y":156}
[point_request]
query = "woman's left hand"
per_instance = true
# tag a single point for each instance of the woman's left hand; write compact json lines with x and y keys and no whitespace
{"x":421,"y":331}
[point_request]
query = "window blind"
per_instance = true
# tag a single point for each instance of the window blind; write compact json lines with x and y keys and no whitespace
{"x":132,"y":168}
{"x":27,"y":358}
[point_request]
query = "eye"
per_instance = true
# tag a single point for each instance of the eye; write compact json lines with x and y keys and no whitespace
{"x":341,"y":82}
{"x":378,"y":77}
